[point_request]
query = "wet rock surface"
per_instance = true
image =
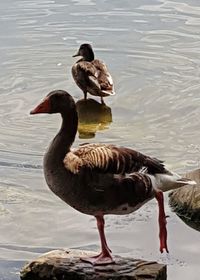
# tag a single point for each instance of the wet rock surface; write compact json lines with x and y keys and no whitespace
{"x":186,"y":201}
{"x":66,"y":264}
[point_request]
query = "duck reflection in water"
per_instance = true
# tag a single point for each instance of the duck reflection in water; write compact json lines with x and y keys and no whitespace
{"x":93,"y":116}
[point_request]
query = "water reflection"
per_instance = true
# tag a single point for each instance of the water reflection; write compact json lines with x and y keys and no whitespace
{"x":93,"y":116}
{"x":152,"y":49}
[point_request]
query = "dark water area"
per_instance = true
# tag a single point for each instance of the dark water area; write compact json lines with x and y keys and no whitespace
{"x":153,"y":52}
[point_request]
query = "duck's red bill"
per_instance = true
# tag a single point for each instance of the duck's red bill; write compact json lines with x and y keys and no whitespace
{"x":43,"y":107}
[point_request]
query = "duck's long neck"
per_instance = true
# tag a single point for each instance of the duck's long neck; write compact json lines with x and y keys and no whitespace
{"x":64,"y":139}
{"x":68,"y":128}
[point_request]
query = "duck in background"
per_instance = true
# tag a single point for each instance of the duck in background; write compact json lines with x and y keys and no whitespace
{"x":100,"y":179}
{"x":91,"y":75}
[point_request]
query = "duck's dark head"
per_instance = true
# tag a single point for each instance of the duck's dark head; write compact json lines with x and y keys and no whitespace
{"x":86,"y":52}
{"x":57,"y":101}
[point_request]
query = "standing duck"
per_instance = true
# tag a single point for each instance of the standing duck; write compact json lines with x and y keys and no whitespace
{"x":91,"y":75}
{"x":100,"y":179}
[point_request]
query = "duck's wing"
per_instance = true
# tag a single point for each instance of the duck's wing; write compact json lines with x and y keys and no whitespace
{"x":85,"y":66}
{"x":103,"y":76}
{"x":111,"y":159}
{"x":86,"y":69}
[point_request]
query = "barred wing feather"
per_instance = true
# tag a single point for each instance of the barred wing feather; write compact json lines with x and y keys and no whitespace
{"x":111,"y":159}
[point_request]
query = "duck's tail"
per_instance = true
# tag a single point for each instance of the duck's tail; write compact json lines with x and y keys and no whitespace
{"x":108,"y":92}
{"x":170,"y":181}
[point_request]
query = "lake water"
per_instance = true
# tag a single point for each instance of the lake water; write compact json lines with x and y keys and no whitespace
{"x":152,"y":48}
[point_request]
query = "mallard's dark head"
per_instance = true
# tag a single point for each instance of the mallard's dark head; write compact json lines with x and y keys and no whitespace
{"x":86,"y":52}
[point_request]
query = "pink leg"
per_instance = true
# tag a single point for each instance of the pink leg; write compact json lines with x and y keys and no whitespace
{"x":162,"y":222}
{"x":105,"y":256}
{"x":100,"y":226}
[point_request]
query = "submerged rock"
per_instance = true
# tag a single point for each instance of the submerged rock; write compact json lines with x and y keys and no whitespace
{"x":186,"y":201}
{"x":66,"y":264}
{"x":93,"y":116}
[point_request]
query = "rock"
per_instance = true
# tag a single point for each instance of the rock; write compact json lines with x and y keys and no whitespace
{"x":92,"y":116}
{"x":186,"y":201}
{"x":66,"y":264}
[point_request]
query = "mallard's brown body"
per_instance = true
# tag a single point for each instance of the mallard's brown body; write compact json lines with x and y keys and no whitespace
{"x":91,"y":75}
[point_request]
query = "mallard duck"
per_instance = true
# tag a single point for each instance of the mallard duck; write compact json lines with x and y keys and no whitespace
{"x":100,"y":179}
{"x":91,"y":75}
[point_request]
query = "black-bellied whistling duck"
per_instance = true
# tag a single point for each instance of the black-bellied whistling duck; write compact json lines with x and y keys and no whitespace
{"x":91,"y":75}
{"x":100,"y":179}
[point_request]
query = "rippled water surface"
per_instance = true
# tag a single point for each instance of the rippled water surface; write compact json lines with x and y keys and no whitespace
{"x":152,"y":48}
